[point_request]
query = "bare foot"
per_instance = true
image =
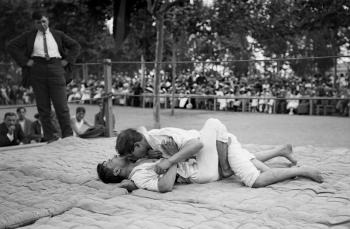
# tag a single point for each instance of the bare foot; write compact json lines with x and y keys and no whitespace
{"x":313,"y":174}
{"x":287,"y":152}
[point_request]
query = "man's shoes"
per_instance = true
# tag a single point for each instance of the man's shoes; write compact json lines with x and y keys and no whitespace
{"x":53,"y":139}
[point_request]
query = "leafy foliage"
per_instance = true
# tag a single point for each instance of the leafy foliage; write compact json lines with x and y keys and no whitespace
{"x":220,"y":32}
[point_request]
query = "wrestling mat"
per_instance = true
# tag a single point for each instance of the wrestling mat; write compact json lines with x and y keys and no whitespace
{"x":56,"y":186}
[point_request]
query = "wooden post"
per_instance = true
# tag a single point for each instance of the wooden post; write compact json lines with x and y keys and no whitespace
{"x":214,"y":108}
{"x":159,"y":57}
{"x":243,"y":104}
{"x":143,"y":79}
{"x":310,"y":106}
{"x":107,"y":72}
{"x":85,"y":72}
{"x":335,"y":74}
{"x":173,"y":59}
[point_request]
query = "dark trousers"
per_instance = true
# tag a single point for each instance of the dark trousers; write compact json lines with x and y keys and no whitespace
{"x":49,"y":85}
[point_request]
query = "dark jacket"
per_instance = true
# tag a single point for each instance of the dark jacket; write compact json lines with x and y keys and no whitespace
{"x":26,"y":131}
{"x":36,"y":132}
{"x":21,"y":48}
{"x":5,"y":141}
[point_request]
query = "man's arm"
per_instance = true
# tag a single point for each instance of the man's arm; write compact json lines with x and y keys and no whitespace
{"x":154,"y":154}
{"x":189,"y":149}
{"x":167,"y":181}
{"x":4,"y":140}
{"x":128,"y":185}
{"x":86,"y":122}
{"x":16,"y":48}
{"x":72,"y":46}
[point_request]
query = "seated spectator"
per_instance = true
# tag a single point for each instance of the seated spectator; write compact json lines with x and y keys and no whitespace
{"x":100,"y":117}
{"x":85,"y":93}
{"x":304,"y":104}
{"x":4,"y":95}
{"x":237,"y":102}
{"x":281,"y":103}
{"x":36,"y":130}
{"x":75,"y":96}
{"x":254,"y":102}
{"x":24,"y":123}
{"x":78,"y":122}
{"x":262,"y":101}
{"x":222,"y":102}
{"x":292,"y":104}
{"x":342,"y":106}
{"x":270,"y":102}
{"x":10,"y":132}
{"x":183,"y":100}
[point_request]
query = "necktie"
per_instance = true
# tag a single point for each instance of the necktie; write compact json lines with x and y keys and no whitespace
{"x":47,"y":57}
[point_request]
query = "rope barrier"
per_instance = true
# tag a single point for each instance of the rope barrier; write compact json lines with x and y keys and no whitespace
{"x":213,"y":61}
{"x":195,"y":96}
{"x":223,"y":61}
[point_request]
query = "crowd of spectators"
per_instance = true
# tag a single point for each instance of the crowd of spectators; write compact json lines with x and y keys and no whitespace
{"x":272,"y":94}
{"x":17,"y":128}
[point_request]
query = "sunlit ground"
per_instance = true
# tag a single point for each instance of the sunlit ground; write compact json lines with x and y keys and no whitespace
{"x":256,"y":128}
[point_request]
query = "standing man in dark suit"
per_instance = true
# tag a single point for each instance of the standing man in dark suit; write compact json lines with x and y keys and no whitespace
{"x":10,"y":132}
{"x":46,"y":56}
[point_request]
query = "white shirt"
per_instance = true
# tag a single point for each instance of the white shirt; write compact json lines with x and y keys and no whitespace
{"x":155,"y":137}
{"x":79,"y":125}
{"x":10,"y":136}
{"x":52,"y":48}
{"x":145,"y":177}
{"x":181,"y":137}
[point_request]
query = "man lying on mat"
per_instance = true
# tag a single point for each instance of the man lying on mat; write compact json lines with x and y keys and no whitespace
{"x":217,"y":154}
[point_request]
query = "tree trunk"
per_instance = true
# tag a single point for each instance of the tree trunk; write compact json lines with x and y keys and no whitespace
{"x":173,"y":60}
{"x":159,"y":57}
{"x":143,"y":67}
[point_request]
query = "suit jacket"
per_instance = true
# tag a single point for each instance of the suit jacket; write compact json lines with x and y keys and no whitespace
{"x":26,"y":131}
{"x":18,"y":135}
{"x":21,"y":48}
{"x":36,"y":132}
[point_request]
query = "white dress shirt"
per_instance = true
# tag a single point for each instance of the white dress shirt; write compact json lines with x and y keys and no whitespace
{"x":52,"y":48}
{"x":155,"y":137}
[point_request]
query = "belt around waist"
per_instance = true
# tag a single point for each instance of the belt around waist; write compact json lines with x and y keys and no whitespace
{"x":43,"y":59}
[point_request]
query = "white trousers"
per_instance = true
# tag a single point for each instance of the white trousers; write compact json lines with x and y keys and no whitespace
{"x":208,"y":159}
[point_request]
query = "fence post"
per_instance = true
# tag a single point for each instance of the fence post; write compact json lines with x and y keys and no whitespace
{"x":335,"y":79}
{"x":107,"y":72}
{"x":243,"y":104}
{"x":311,"y":106}
{"x":214,"y":108}
{"x":173,"y":60}
{"x":143,"y":100}
{"x":85,"y":72}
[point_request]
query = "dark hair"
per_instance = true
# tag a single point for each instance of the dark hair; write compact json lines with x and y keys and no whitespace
{"x":7,"y":114}
{"x":37,"y":15}
{"x":37,"y":116}
{"x":20,"y":108}
{"x":106,"y":174}
{"x":126,"y":140}
{"x":80,"y":109}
